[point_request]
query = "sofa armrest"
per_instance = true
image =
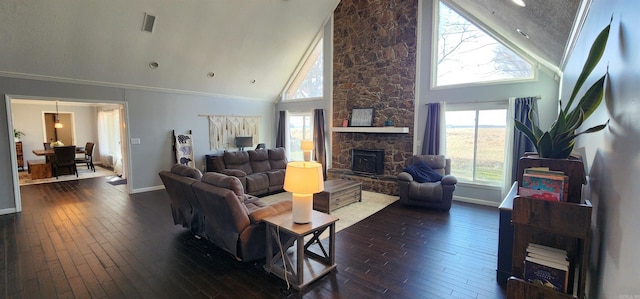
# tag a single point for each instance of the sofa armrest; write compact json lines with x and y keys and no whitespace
{"x":258,"y":215}
{"x":273,"y":209}
{"x":405,"y":176}
{"x":282,"y":206}
{"x":234,"y":172}
{"x":449,"y":180}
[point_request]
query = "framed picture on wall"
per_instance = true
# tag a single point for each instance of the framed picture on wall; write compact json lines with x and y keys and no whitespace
{"x":361,"y":117}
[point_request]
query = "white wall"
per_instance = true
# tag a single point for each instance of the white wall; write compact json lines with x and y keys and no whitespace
{"x":613,"y":154}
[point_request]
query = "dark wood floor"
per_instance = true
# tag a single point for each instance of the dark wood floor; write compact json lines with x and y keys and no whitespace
{"x":87,"y":238}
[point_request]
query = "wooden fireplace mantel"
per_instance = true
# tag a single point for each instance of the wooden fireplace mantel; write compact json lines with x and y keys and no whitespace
{"x":379,"y":130}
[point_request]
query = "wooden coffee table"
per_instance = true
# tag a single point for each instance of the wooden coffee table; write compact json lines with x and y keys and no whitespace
{"x":337,"y":194}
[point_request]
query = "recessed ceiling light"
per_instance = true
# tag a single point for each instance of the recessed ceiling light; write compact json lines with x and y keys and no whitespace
{"x":519,"y":3}
{"x":252,"y":81}
{"x":153,"y":65}
{"x":211,"y":74}
{"x":522,"y":33}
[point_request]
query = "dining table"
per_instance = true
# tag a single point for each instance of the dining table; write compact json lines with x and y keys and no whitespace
{"x":48,"y":153}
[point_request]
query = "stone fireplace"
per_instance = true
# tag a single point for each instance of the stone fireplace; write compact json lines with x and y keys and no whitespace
{"x":374,"y":66}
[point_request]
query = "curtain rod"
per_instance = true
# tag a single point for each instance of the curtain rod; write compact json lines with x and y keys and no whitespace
{"x":233,"y":115}
{"x":480,"y":102}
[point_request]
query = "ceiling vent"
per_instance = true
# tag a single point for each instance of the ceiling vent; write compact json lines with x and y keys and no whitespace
{"x":149,"y":22}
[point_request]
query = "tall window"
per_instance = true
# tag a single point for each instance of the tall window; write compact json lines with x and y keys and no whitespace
{"x":300,"y":128}
{"x":466,"y":54}
{"x":308,"y":82}
{"x":475,"y":140}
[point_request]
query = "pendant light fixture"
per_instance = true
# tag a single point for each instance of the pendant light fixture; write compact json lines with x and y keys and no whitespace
{"x":57,"y":124}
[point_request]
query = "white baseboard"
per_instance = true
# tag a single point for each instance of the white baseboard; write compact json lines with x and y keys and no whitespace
{"x":147,"y":189}
{"x":477,"y":201}
{"x":7,"y":211}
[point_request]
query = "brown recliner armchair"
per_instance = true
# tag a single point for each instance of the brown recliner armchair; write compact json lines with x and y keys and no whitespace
{"x":436,"y":195}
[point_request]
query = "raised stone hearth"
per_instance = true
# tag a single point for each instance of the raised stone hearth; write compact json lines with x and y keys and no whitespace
{"x":374,"y":183}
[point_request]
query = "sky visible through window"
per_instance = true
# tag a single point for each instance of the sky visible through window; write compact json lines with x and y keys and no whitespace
{"x":466,"y":54}
{"x":308,"y":82}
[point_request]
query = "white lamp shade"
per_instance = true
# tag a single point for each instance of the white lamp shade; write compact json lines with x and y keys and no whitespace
{"x":57,"y":125}
{"x":303,"y":179}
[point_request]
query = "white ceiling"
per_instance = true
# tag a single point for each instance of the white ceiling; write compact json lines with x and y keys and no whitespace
{"x":103,"y":42}
{"x":238,"y":40}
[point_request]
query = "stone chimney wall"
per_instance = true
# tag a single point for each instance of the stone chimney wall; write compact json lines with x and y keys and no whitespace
{"x":374,"y":66}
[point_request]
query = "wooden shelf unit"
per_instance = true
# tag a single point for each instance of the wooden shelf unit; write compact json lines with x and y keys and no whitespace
{"x":20,"y":155}
{"x":563,"y":225}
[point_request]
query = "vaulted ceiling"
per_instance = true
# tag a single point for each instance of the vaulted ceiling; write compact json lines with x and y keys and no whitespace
{"x":250,"y":46}
{"x":243,"y":48}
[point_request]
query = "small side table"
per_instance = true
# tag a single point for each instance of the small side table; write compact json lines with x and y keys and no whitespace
{"x":309,"y":265}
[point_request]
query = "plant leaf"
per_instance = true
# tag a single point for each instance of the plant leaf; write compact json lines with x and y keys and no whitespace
{"x":565,"y":151}
{"x":593,"y":129}
{"x":544,"y":145}
{"x":592,"y":98}
{"x":526,"y":131}
{"x":534,"y":127}
{"x":597,"y":49}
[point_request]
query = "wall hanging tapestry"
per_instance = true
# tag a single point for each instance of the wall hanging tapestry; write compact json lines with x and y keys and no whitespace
{"x":223,"y":130}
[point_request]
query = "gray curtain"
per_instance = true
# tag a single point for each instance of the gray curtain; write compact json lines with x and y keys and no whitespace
{"x":431,"y":139}
{"x":319,"y":150}
{"x":280,"y":134}
{"x":521,"y":142}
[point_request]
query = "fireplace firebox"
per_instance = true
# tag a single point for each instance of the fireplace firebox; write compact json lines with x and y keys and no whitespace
{"x":366,"y":161}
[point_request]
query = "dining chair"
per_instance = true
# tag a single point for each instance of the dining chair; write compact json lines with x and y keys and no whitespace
{"x":65,"y":157}
{"x":88,"y":156}
{"x":47,"y":145}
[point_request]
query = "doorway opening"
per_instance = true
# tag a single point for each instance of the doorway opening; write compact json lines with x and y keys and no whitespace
{"x":35,"y":117}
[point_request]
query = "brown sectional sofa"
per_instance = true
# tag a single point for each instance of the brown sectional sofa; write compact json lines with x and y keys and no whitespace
{"x":260,"y":171}
{"x":216,"y":208}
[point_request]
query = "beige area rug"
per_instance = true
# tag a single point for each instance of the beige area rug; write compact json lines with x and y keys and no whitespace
{"x":83,"y":173}
{"x":350,"y":214}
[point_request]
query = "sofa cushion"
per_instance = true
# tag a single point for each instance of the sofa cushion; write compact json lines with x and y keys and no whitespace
{"x":183,"y":170}
{"x":259,"y":160}
{"x":237,"y":160}
{"x":277,"y":158}
{"x":257,"y":183}
{"x":224,"y":181}
{"x":276,"y":177}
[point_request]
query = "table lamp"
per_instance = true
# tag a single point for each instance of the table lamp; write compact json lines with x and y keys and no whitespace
{"x":306,"y":146}
{"x":303,"y":179}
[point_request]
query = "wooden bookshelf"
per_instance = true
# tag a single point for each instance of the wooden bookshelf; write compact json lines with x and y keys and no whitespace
{"x":563,"y":225}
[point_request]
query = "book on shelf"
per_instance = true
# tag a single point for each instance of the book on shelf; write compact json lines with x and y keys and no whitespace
{"x":547,"y":266}
{"x":538,"y":194}
{"x":541,"y":183}
{"x":552,"y":252}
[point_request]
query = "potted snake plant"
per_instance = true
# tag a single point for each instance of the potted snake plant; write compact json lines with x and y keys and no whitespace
{"x":559,"y":141}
